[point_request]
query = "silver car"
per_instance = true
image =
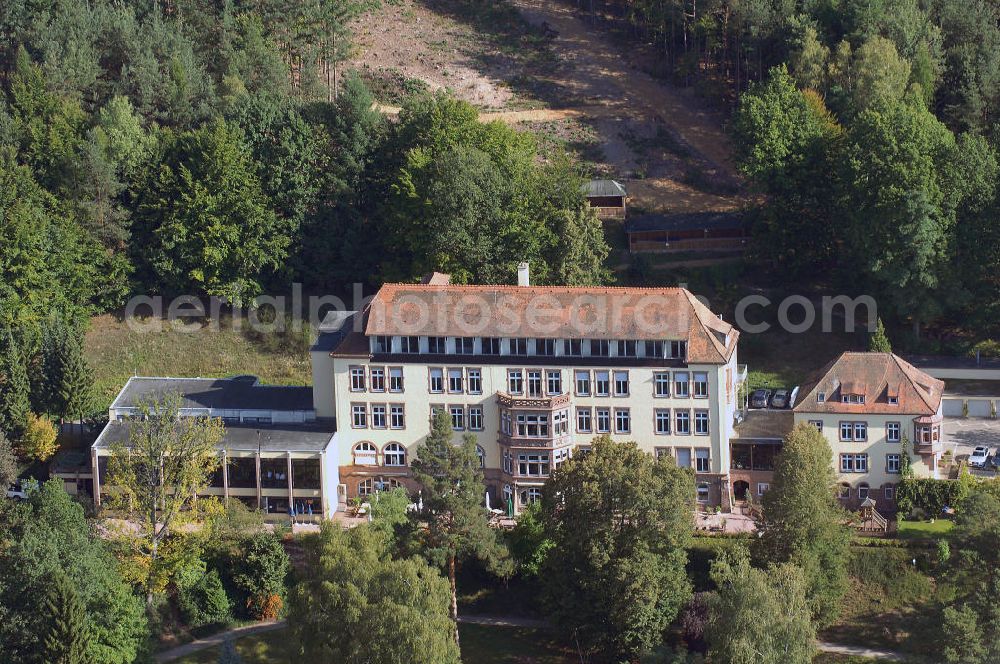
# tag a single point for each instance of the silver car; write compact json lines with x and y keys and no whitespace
{"x":760,"y":398}
{"x":780,"y":399}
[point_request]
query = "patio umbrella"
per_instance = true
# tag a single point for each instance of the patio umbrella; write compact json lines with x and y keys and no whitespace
{"x":420,"y":501}
{"x":487,"y":500}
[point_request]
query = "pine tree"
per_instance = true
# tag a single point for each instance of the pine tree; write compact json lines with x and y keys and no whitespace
{"x":878,"y":342}
{"x":802,"y":522}
{"x":453,"y":490}
{"x":76,"y":382}
{"x":8,"y":463}
{"x":65,"y":640}
{"x":14,"y":390}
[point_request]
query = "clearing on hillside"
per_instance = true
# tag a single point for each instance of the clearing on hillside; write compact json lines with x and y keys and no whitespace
{"x":533,"y":63}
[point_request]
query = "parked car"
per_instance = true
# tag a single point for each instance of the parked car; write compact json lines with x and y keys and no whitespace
{"x":760,"y":398}
{"x":17,"y":491}
{"x":979,"y":456}
{"x":780,"y":399}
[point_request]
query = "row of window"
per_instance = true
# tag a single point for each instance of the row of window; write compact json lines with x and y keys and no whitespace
{"x":683,"y":455}
{"x":665,"y":421}
{"x":533,"y":464}
{"x":534,"y":425}
{"x":367,"y":454}
{"x":458,"y":380}
{"x":462,"y":417}
{"x":532,"y":382}
{"x":864,"y":491}
{"x":393,"y":454}
{"x":521,"y":346}
{"x":378,"y":416}
{"x":858,"y":463}
{"x":858,"y":431}
{"x":891,"y":399}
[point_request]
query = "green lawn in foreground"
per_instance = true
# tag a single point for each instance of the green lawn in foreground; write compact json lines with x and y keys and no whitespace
{"x":480,"y":645}
{"x":924,"y":529}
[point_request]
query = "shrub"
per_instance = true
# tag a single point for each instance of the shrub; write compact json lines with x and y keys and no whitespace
{"x":39,"y":439}
{"x":260,"y":572}
{"x":204,"y":602}
{"x":890,"y":568}
{"x":931,"y":495}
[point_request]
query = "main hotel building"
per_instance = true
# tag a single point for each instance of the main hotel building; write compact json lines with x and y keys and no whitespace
{"x":535,"y":373}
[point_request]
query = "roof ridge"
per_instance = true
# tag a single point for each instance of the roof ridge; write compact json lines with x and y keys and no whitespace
{"x":906,"y":373}
{"x":400,"y":284}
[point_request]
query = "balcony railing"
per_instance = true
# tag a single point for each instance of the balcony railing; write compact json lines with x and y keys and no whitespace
{"x":543,"y":442}
{"x":536,"y":403}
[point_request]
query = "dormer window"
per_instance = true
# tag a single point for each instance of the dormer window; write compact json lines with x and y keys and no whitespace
{"x":820,"y":397}
{"x":894,"y":400}
{"x":852,"y":398}
{"x":436,"y":345}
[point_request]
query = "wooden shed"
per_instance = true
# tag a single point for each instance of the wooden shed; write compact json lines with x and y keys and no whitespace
{"x":608,"y":196}
{"x":686,"y":231}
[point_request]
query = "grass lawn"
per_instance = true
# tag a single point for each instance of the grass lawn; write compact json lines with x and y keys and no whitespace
{"x":115,"y":352}
{"x":924,"y":529}
{"x":480,"y":645}
{"x":268,"y":648}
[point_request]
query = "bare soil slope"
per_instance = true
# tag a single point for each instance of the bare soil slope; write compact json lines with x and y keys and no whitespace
{"x":561,"y":78}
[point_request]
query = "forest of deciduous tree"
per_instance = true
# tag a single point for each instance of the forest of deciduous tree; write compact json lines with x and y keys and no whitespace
{"x":217,"y":148}
{"x":951,"y":48}
{"x":869,"y":128}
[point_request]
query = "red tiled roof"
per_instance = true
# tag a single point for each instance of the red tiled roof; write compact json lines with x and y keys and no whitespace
{"x":555,"y":312}
{"x":877,"y":376}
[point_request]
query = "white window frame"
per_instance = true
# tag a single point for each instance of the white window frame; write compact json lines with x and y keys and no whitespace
{"x":474,"y":381}
{"x":701,"y":423}
{"x":475,"y":418}
{"x":394,"y":454}
{"x":682,"y":416}
{"x":661,"y":417}
{"x":358,"y":383}
{"x":605,"y":414}
{"x":700,"y":387}
{"x":359,"y":416}
{"x":365,"y":453}
{"x":661,"y":384}
{"x":435,"y":380}
{"x":682,"y":388}
{"x":379,"y":412}
{"x":623,"y":420}
{"x":397,"y":416}
{"x":457,"y":414}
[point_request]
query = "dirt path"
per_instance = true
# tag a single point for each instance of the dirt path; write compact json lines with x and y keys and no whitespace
{"x":216,"y":640}
{"x":598,"y":71}
{"x":661,"y":141}
{"x":491,"y":621}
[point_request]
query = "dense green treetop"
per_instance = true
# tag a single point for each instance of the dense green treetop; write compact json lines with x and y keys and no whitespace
{"x":619,"y":521}
{"x":42,"y":539}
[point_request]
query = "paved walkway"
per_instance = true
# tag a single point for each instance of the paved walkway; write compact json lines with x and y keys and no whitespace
{"x":503,"y":621}
{"x":492,"y":621}
{"x":860,"y":651}
{"x":217,"y":640}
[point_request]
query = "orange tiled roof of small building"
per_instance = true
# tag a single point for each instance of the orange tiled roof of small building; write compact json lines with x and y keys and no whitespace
{"x":877,"y":376}
{"x":555,"y":312}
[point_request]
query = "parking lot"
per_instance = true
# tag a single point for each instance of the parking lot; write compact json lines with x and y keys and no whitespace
{"x":962,"y":434}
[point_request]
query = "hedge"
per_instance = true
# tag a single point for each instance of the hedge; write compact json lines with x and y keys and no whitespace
{"x":931,"y":495}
